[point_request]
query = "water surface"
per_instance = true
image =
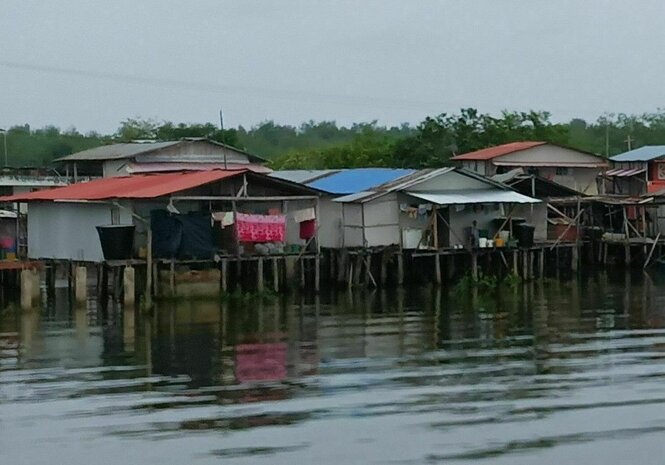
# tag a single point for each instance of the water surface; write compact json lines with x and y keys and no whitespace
{"x":545,"y":373}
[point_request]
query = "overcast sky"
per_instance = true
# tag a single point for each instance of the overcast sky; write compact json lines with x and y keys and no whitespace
{"x":90,"y":64}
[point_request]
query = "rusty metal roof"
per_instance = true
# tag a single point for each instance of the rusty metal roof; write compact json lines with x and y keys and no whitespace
{"x":126,"y":187}
{"x":498,"y":151}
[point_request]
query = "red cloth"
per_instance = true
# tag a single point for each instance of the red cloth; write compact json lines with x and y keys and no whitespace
{"x":307,"y":229}
{"x":260,"y":362}
{"x":260,"y":228}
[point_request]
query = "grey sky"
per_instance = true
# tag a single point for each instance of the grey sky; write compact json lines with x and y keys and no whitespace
{"x":350,"y":60}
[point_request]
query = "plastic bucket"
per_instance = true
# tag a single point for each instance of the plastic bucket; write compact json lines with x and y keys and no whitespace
{"x":117,"y":241}
{"x":482,"y":242}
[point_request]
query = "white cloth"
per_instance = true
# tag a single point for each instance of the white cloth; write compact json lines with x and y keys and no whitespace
{"x":226,"y":218}
{"x":305,"y":214}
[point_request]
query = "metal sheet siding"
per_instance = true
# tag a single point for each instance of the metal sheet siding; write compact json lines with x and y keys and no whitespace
{"x":68,"y":231}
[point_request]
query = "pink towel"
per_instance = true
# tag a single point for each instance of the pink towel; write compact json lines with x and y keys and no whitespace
{"x":260,"y":228}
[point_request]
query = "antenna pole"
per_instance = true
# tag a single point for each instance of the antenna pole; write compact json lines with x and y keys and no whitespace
{"x":221,"y":125}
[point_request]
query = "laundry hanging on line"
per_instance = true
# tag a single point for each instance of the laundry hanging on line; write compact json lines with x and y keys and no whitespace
{"x":305,"y":214}
{"x":260,"y":228}
{"x":307,"y":229}
{"x":225,"y":218}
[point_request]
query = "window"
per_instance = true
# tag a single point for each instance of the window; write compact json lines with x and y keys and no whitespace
{"x":562,"y":171}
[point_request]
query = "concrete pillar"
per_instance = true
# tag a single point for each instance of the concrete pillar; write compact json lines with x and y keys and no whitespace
{"x":80,"y":284}
{"x":129,"y":286}
{"x":27,"y":289}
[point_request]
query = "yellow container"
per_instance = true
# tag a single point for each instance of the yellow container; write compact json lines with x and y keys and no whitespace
{"x":498,"y":242}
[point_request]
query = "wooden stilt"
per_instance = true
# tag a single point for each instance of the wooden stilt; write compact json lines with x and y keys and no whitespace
{"x":172,"y":277}
{"x":437,"y":268}
{"x":575,"y":259}
{"x":384,"y":269}
{"x":400,"y":269}
{"x":317,"y":273}
{"x":368,"y":269}
{"x":474,"y":265}
{"x":225,"y":275}
{"x":302,"y":273}
{"x":259,"y":274}
{"x":275,"y":275}
{"x":627,"y":253}
{"x":532,"y":269}
{"x":515,"y":262}
{"x":541,"y":263}
{"x":358,"y":270}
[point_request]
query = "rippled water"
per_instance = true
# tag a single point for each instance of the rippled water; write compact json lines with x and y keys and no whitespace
{"x":547,"y":373}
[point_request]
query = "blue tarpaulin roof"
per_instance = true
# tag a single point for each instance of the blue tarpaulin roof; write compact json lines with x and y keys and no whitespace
{"x":355,"y":180}
{"x":646,"y":153}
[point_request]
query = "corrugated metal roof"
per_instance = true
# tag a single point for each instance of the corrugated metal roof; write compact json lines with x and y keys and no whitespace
{"x":471,"y":196}
{"x":356,"y":180}
{"x":622,"y":173}
{"x":302,"y":176}
{"x":499,"y":150}
{"x":126,"y":187}
{"x":357,"y":197}
{"x":132,"y":149}
{"x":116,"y":151}
{"x":646,"y":153}
{"x":163,"y":167}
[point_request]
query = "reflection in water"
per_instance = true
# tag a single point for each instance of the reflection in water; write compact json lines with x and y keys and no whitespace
{"x":555,"y":372}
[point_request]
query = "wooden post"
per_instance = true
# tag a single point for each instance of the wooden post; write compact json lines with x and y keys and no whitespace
{"x":575,"y":260}
{"x":358,"y":269}
{"x":80,"y":286}
{"x":474,"y":265}
{"x":149,"y":270}
{"x":129,"y":284}
{"x":626,"y":248}
{"x":368,"y":269}
{"x":384,"y":269}
{"x":525,"y":266}
{"x":532,"y":269}
{"x":302,"y":273}
{"x":437,"y":268}
{"x":541,"y":263}
{"x":225,"y":276}
{"x":26,"y":289}
{"x":400,"y":268}
{"x":172,"y":277}
{"x":515,"y":261}
{"x":259,"y":274}
{"x":275,"y":275}
{"x":317,"y":273}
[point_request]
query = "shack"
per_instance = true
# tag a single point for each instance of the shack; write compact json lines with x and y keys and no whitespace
{"x":637,"y":171}
{"x":62,"y":222}
{"x":138,"y":157}
{"x":553,"y":216}
{"x":572,"y":168}
{"x":429,"y":209}
{"x":335,"y":183}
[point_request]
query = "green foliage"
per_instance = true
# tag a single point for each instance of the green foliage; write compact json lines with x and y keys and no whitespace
{"x":327,"y":145}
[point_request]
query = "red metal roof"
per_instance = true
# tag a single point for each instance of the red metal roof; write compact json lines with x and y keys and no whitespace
{"x":126,"y":187}
{"x":498,"y":151}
